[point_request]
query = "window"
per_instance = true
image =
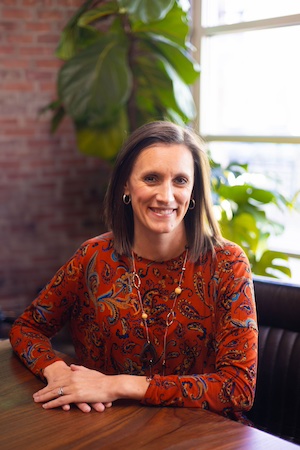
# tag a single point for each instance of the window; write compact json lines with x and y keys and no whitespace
{"x":249,"y":96}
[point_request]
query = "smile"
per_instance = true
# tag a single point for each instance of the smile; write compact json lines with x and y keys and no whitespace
{"x":163,"y":212}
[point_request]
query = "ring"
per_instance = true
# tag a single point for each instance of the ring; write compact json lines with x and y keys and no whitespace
{"x":60,"y":391}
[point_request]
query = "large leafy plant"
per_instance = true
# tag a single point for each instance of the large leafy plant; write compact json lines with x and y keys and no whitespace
{"x":242,"y":211}
{"x":126,"y":62}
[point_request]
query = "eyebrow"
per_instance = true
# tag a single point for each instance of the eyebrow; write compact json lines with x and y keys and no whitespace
{"x":158,"y":172}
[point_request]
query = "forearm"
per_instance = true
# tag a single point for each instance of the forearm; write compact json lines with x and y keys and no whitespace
{"x":229,"y":386}
{"x":131,"y":387}
{"x":32,"y":347}
{"x":216,"y":392}
{"x":84,"y":386}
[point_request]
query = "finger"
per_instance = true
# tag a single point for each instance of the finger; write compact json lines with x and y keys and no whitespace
{"x":41,"y":391}
{"x":84,"y":407}
{"x":57,"y":402}
{"x":66,"y":407}
{"x":42,"y":396}
{"x":75,"y":368}
{"x":99,"y":407}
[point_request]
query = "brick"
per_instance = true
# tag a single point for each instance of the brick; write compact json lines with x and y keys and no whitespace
{"x":32,"y":75}
{"x":20,"y":39}
{"x":72,"y":3}
{"x":49,"y":38}
{"x":8,"y":27}
{"x":9,"y":2}
{"x":38,"y":27}
{"x":15,"y":86}
{"x":16,"y":14}
{"x":36,"y":51}
{"x":16,"y":63}
{"x":37,"y":3}
{"x":49,"y":15}
{"x":49,"y":87}
{"x":49,"y":63}
{"x":6,"y":50}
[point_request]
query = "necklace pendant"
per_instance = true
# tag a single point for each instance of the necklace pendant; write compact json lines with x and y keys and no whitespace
{"x":148,"y":355}
{"x":170,"y":318}
{"x":144,"y":316}
{"x":178,"y":290}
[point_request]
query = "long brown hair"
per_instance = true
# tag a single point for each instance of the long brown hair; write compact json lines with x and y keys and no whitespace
{"x":201,"y":227}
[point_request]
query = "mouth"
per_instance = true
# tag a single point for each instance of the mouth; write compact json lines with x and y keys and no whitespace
{"x":163,"y":212}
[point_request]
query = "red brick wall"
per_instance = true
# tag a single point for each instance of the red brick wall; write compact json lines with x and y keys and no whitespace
{"x":50,"y":194}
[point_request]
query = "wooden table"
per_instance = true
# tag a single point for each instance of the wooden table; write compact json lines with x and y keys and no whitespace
{"x":127,"y":425}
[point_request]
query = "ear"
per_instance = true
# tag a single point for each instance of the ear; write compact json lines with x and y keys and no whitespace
{"x":126,"y":189}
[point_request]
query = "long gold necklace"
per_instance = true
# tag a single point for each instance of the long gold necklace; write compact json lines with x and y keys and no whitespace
{"x":149,"y":348}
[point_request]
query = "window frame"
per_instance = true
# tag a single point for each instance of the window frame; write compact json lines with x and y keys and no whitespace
{"x":200,"y":32}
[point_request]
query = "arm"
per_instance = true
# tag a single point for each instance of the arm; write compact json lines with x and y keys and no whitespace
{"x":229,"y":388}
{"x":87,"y":387}
{"x":31,"y":333}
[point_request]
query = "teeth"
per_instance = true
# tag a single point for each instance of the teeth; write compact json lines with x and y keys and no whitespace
{"x":163,"y":212}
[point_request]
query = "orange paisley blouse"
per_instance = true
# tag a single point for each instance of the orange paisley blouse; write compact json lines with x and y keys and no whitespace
{"x":211,"y":349}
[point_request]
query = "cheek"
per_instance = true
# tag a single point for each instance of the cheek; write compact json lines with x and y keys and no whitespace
{"x":139,"y":196}
{"x":186,"y":196}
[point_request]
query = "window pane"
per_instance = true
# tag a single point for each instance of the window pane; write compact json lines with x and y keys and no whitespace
{"x":250,"y":83}
{"x":225,"y":12}
{"x":273,"y":166}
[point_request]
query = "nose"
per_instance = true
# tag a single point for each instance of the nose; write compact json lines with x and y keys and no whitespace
{"x":165,"y":192}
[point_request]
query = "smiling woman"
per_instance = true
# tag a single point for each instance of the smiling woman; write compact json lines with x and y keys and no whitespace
{"x":161,"y":308}
{"x":160,"y":188}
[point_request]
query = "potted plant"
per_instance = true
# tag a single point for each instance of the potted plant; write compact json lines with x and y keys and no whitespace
{"x":241,"y":209}
{"x":127,"y":62}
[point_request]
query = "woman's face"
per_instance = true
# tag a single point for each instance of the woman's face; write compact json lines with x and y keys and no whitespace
{"x":160,"y":187}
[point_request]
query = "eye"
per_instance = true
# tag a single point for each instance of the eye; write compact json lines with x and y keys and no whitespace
{"x":181,"y":180}
{"x":150,"y":178}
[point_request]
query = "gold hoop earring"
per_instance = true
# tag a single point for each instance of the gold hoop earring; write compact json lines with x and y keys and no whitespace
{"x":192,"y":203}
{"x":126,"y":199}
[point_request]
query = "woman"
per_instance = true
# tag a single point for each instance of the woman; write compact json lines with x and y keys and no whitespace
{"x":161,"y":308}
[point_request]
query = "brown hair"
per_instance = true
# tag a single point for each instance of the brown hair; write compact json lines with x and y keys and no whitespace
{"x":202,"y":229}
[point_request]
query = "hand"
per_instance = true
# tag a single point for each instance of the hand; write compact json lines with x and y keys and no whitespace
{"x":58,"y":375}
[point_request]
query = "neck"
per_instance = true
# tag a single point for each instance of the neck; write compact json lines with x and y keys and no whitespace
{"x":159,"y":249}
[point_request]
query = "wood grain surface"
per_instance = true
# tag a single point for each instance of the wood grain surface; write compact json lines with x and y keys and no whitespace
{"x":127,"y":425}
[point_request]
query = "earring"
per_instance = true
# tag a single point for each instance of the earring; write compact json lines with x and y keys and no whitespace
{"x":192,"y":203}
{"x":126,"y":199}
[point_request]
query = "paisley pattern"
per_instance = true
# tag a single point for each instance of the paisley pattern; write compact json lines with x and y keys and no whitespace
{"x":211,"y":350}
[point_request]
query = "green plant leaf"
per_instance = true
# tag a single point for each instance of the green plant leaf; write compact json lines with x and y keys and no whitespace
{"x":98,"y":13}
{"x":96,"y":82}
{"x":72,"y":37}
{"x":180,"y":59}
{"x":57,"y":118}
{"x":182,"y":93}
{"x":270,"y":260}
{"x":147,"y":10}
{"x":242,"y":229}
{"x":154,"y":92}
{"x":174,"y":26}
{"x":103,"y":142}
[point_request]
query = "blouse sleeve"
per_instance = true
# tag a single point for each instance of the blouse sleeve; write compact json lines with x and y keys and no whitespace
{"x":31,"y":333}
{"x":230,"y":387}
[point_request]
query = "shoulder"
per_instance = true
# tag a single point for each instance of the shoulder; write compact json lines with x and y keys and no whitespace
{"x":104,"y":241}
{"x":230,"y":258}
{"x":228,"y":249}
{"x":99,"y":244}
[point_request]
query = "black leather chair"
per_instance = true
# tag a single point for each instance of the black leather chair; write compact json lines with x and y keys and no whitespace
{"x":276,"y":407}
